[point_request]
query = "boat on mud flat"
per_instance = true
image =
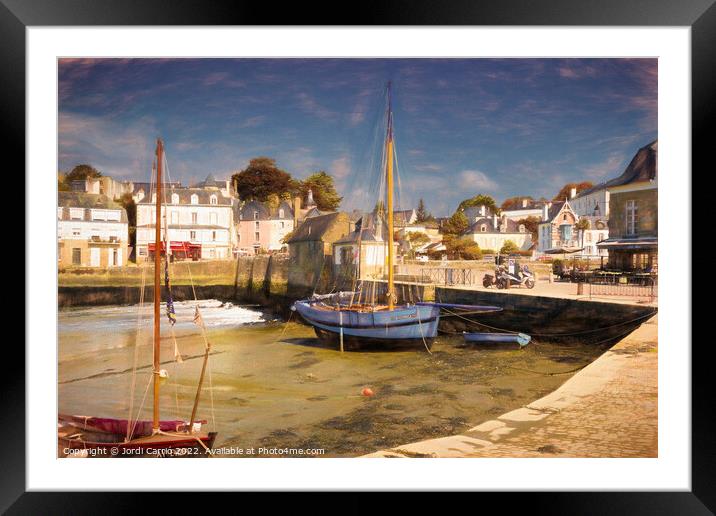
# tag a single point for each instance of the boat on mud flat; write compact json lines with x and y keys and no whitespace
{"x":103,"y":437}
{"x":497,"y":339}
{"x":356,"y":320}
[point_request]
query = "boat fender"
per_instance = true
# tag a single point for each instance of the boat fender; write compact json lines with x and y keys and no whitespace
{"x":367,"y":392}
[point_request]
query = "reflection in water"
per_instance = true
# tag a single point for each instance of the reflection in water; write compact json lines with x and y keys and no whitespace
{"x":275,"y":385}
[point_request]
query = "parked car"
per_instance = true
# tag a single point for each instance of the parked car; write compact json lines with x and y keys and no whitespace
{"x":422,"y":258}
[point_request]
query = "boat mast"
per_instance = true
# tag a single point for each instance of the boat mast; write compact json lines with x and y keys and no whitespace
{"x":157,"y":289}
{"x":389,"y":198}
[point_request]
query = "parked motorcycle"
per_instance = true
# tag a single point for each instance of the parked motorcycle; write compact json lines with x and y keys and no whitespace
{"x":523,"y":277}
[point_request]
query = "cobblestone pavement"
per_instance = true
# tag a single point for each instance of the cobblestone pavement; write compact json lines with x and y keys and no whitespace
{"x":608,"y":409}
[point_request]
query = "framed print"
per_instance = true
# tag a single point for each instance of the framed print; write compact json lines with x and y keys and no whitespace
{"x":298,"y":254}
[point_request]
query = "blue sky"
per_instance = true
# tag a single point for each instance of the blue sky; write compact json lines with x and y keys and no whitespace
{"x":503,"y":127}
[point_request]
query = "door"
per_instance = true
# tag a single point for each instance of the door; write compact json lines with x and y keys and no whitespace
{"x":94,"y":256}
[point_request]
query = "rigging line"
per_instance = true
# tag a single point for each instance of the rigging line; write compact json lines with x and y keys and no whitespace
{"x":136,"y":350}
{"x":141,"y":406}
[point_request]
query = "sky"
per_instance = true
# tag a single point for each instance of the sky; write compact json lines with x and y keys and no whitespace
{"x":502,"y":127}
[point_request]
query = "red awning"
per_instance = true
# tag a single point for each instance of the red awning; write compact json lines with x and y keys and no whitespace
{"x":187,"y":247}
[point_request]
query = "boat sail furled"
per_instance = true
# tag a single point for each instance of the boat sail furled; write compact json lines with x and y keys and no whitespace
{"x":127,"y":437}
{"x":338,"y":318}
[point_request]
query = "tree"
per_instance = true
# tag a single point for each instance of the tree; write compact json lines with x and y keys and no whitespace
{"x":566,"y":190}
{"x":82,"y":172}
{"x":323,"y":189}
{"x":531,"y":225}
{"x":62,"y":186}
{"x":417,"y":239}
{"x":462,"y":248}
{"x":509,"y":247}
{"x":581,"y":226}
{"x":130,"y":206}
{"x":479,"y":200}
{"x":514,"y":202}
{"x":260,"y":179}
{"x":422,"y":214}
{"x":457,"y":224}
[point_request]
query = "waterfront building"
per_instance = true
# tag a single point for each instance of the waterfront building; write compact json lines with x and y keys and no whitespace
{"x":211,"y":183}
{"x":556,"y":231}
{"x":363,"y":252}
{"x":310,"y":247}
{"x":92,"y":231}
{"x":633,"y":221}
{"x":260,"y":228}
{"x":140,"y":190}
{"x":491,"y":233}
{"x":196,"y":216}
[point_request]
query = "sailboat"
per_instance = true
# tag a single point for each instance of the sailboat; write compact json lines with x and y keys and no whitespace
{"x":339,"y":319}
{"x":100,"y":436}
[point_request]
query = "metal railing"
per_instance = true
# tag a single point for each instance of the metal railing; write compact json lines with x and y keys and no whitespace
{"x":648,"y":288}
{"x":447,"y":276}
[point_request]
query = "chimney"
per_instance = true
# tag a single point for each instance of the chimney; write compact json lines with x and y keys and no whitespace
{"x":296,"y":210}
{"x":572,"y":192}
{"x":482,"y":210}
{"x":309,"y":199}
{"x":524,"y":203}
{"x":545,"y":211}
{"x":494,"y":220}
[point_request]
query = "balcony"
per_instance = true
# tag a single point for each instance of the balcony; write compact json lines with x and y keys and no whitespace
{"x":96,"y":240}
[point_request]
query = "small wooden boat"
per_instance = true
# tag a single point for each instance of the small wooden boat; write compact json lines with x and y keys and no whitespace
{"x":497,"y":338}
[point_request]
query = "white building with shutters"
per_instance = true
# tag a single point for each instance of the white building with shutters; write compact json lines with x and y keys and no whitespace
{"x":198,"y":216}
{"x":92,"y":231}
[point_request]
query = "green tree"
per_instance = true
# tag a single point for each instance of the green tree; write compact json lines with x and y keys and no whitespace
{"x":62,"y":186}
{"x":130,"y":206}
{"x":462,"y":248}
{"x":457,"y":224}
{"x":566,"y":190}
{"x":324,"y":191}
{"x":479,"y":200}
{"x":260,"y":179}
{"x":82,"y":172}
{"x":417,"y":238}
{"x":509,"y":247}
{"x":422,"y":214}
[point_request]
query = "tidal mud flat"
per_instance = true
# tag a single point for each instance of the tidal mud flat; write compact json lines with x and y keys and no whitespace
{"x":275,"y":386}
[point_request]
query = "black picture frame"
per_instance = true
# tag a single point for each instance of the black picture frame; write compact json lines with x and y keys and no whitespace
{"x":700,"y":15}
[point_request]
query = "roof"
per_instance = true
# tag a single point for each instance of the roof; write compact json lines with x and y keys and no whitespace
{"x":369,"y":228}
{"x":315,"y":228}
{"x":472,"y":212}
{"x":511,"y":226}
{"x":403,"y":217}
{"x":247,"y":211}
{"x":555,"y":209}
{"x":186,"y":193}
{"x":642,"y":167}
{"x":88,"y":201}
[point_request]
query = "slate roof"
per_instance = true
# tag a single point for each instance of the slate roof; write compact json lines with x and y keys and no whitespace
{"x":246,"y":212}
{"x":87,"y":201}
{"x":511,"y":226}
{"x":642,"y":167}
{"x":186,"y":193}
{"x":368,"y":230}
{"x":314,"y":228}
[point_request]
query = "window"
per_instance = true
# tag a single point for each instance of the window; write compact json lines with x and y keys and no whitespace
{"x":631,"y":217}
{"x":175,"y":198}
{"x":77,"y":213}
{"x":76,"y":256}
{"x":522,"y":228}
{"x":194,"y":217}
{"x":192,"y":235}
{"x":257,"y":237}
{"x":175,"y":217}
{"x":257,"y":225}
{"x":212,"y":218}
{"x":194,"y":199}
{"x":565,"y":232}
{"x":142,"y":251}
{"x":283,"y":224}
{"x":212,"y":200}
{"x":256,"y":215}
{"x":213,"y":235}
{"x":280,"y":214}
{"x":76,"y":232}
{"x":483,"y":228}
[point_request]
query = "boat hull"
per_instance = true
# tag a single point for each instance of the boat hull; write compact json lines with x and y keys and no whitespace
{"x":497,"y":339}
{"x":407,"y":326}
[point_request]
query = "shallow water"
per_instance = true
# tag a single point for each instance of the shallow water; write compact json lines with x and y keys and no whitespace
{"x":275,"y":386}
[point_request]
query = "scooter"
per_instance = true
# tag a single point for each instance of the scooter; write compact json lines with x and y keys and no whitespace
{"x":523,"y":277}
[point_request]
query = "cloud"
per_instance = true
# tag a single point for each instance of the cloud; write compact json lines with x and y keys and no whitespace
{"x":477,"y":181}
{"x":312,"y":106}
